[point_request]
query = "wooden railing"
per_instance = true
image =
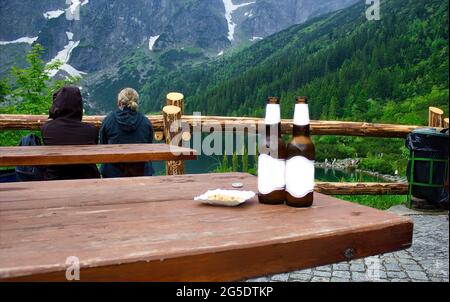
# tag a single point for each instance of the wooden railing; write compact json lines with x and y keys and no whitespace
{"x":239,"y":124}
{"x":34,"y":122}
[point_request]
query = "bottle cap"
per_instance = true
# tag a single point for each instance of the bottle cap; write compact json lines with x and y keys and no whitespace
{"x":273,"y":100}
{"x":301,"y":100}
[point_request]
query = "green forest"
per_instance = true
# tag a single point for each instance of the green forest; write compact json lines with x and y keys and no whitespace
{"x":352,"y":69}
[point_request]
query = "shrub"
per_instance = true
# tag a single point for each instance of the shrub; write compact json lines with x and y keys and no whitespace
{"x":377,"y":165}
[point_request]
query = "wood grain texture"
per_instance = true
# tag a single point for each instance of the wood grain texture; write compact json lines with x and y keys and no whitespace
{"x":175,"y":99}
{"x":435,"y":117}
{"x":150,"y":229}
{"x":91,"y":154}
{"x":172,"y":130}
{"x":30,"y":122}
{"x":345,"y":188}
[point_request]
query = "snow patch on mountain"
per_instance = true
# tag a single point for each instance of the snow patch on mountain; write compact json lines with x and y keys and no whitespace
{"x":152,"y":41}
{"x":75,"y":4}
{"x":20,"y":40}
{"x":64,"y":56}
{"x":249,"y":14}
{"x":69,"y":35}
{"x":229,"y":9}
{"x":53,"y":14}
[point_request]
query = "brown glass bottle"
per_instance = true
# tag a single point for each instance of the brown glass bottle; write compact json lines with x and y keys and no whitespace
{"x":272,"y":157}
{"x":301,"y":154}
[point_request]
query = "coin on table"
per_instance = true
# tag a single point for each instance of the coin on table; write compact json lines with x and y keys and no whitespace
{"x":237,"y":185}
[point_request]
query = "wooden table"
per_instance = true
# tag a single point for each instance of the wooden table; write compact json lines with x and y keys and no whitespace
{"x":141,"y":229}
{"x":91,"y":154}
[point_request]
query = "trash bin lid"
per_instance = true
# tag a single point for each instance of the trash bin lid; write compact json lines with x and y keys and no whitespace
{"x":428,"y":140}
{"x":430,"y":131}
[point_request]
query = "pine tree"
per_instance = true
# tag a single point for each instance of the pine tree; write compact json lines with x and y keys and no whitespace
{"x":33,"y":85}
{"x":333,"y":108}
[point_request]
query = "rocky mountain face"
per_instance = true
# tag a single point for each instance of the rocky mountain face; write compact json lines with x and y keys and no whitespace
{"x":266,"y":17}
{"x":122,"y":42}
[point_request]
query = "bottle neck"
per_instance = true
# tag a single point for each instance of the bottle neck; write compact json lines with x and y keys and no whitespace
{"x":301,"y":130}
{"x":273,"y":114}
{"x":301,"y":120}
{"x":274,"y":129}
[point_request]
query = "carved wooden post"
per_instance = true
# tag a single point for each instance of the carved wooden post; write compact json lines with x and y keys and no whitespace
{"x":446,"y":123}
{"x":435,"y":117}
{"x":172,"y":128}
{"x":175,"y":99}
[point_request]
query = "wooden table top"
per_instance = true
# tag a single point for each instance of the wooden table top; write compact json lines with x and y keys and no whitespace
{"x":150,"y":229}
{"x":91,"y":154}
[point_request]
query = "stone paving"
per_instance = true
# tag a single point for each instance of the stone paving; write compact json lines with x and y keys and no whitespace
{"x":426,"y":261}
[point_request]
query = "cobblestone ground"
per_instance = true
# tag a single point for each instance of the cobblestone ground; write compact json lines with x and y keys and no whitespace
{"x":426,"y":260}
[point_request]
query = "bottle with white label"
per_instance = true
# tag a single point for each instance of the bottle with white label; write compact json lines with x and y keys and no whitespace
{"x":272,"y":158}
{"x":301,"y":155}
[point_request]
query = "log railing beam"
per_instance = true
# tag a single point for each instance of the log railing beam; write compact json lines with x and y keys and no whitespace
{"x":34,"y":122}
{"x":342,"y":188}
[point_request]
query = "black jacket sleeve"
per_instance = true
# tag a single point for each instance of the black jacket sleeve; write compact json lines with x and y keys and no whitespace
{"x":103,"y":134}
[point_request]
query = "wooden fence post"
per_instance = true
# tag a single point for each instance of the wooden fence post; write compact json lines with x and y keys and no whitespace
{"x":175,"y":99}
{"x":172,"y":99}
{"x":435,"y":116}
{"x":172,"y":128}
{"x":446,"y":123}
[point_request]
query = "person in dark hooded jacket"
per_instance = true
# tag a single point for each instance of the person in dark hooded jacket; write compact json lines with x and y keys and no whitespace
{"x":66,"y":128}
{"x":126,"y":126}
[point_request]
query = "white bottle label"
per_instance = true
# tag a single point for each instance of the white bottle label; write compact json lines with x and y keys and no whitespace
{"x":300,"y":174}
{"x":271,"y":174}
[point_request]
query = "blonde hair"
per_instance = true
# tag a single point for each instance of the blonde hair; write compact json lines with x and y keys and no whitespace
{"x":128,"y":98}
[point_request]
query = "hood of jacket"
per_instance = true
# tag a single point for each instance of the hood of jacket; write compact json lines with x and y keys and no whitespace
{"x":128,"y":119}
{"x":67,"y":103}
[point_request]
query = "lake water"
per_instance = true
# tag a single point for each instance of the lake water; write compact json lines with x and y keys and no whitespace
{"x":207,"y":164}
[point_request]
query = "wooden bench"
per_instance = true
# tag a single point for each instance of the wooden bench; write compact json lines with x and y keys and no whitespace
{"x":92,"y":154}
{"x":150,"y":229}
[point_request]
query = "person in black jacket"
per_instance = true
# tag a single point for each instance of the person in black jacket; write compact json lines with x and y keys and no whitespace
{"x":66,"y":128}
{"x":126,"y":126}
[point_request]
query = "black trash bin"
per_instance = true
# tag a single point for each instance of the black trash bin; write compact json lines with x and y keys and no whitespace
{"x":428,"y":166}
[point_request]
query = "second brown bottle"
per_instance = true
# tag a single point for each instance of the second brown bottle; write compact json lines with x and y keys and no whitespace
{"x":301,"y":155}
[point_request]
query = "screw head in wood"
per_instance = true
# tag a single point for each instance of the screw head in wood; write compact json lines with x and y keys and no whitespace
{"x":350,"y":253}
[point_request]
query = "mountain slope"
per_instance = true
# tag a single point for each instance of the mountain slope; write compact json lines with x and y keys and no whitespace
{"x":351,"y":68}
{"x":117,"y":43}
